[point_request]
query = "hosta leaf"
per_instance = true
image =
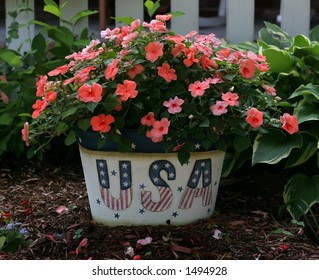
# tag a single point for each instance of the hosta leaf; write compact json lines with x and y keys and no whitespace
{"x":274,"y":146}
{"x":300,"y":193}
{"x":307,"y":150}
{"x":279,"y":60}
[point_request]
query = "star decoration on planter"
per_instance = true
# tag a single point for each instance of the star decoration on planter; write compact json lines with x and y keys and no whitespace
{"x":197,"y":146}
{"x":180,"y":189}
{"x":175,"y":214}
{"x":113,"y":173}
{"x":208,"y":210}
{"x":141,"y":211}
{"x":133,"y":146}
{"x":116,"y":216}
{"x":98,"y":201}
{"x":142,"y":186}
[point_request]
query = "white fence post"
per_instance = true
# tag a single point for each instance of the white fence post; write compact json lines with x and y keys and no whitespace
{"x":131,"y":8}
{"x":71,"y":8}
{"x":295,"y":17}
{"x":188,"y":22}
{"x":26,"y":31}
{"x":240,"y":21}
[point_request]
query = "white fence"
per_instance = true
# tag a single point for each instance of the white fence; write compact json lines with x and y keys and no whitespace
{"x":295,"y":16}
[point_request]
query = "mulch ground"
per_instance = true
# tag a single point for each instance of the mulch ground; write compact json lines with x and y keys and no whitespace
{"x":249,"y":221}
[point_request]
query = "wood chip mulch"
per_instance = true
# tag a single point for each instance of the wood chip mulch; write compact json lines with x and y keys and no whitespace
{"x":249,"y":221}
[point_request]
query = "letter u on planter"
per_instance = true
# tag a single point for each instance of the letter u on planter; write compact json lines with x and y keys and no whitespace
{"x":149,"y":187}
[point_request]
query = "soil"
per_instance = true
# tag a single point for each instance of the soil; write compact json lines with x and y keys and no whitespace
{"x":249,"y":221}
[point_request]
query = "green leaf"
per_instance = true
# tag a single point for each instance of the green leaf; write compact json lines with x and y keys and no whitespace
{"x":70,"y":139}
{"x":125,"y":20}
{"x":52,"y":8}
{"x":183,"y":157}
{"x":241,"y":143}
{"x":91,"y":106}
{"x":300,"y":194}
{"x":69,"y":112}
{"x":303,"y":90}
{"x":151,"y":6}
{"x":84,"y":124}
{"x":307,"y":150}
{"x":39,"y":47}
{"x":274,"y":146}
{"x":10,"y":57}
{"x":301,"y":41}
{"x":61,"y":127}
{"x":82,"y":14}
{"x":279,"y":60}
{"x":307,"y":110}
{"x":204,"y":123}
{"x":314,"y":33}
{"x":6,"y":119}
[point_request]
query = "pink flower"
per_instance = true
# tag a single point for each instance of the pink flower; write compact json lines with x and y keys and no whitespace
{"x":90,"y":93}
{"x":126,"y":90}
{"x":148,"y":119}
{"x":62,"y":209}
{"x":270,"y":90}
{"x":81,"y":245}
{"x":198,"y":88}
{"x":174,"y":105}
{"x":25,"y":133}
{"x":163,"y":17}
{"x":41,"y":84}
{"x":289,"y":123}
{"x":50,"y":96}
{"x":159,"y":129}
{"x":145,"y":241}
{"x":38,"y":107}
{"x":166,"y":72}
{"x":60,"y":70}
{"x":247,"y":68}
{"x":153,"y":51}
{"x":135,"y":70}
{"x":231,"y":98}
{"x":111,"y":70}
{"x":254,"y":117}
{"x":102,"y":122}
{"x":219,"y":108}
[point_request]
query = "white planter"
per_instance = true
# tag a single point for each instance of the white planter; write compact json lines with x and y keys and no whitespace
{"x":150,"y":188}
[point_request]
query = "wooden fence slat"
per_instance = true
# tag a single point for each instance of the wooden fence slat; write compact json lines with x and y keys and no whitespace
{"x":295,"y":16}
{"x":240,"y":18}
{"x":188,"y":22}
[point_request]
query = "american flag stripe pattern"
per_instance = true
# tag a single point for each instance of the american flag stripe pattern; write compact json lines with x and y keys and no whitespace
{"x":190,"y":194}
{"x":166,"y":198}
{"x":116,"y":204}
{"x":125,"y":185}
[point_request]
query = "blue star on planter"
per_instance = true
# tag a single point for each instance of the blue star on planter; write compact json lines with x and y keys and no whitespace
{"x":175,"y":214}
{"x":113,"y":173}
{"x":142,"y":186}
{"x":98,"y":201}
{"x":208,"y":210}
{"x":180,"y":189}
{"x":141,"y":211}
{"x":116,"y":216}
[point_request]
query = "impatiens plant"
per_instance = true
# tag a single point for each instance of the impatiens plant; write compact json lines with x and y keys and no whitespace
{"x":186,"y":92}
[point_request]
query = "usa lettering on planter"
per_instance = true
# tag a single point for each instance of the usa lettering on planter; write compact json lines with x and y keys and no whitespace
{"x":126,"y":193}
{"x":166,"y":194}
{"x":202,"y":168}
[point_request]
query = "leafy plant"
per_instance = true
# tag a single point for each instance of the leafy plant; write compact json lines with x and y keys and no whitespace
{"x":294,"y":63}
{"x":21,"y":70}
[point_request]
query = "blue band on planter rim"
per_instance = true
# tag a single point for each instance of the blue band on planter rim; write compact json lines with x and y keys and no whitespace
{"x":141,"y":144}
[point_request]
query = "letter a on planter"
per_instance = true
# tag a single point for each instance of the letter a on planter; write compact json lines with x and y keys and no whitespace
{"x":166,"y":194}
{"x":201,"y":168}
{"x":126,"y":194}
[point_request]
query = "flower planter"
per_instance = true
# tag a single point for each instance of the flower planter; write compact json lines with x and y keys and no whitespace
{"x":150,"y":188}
